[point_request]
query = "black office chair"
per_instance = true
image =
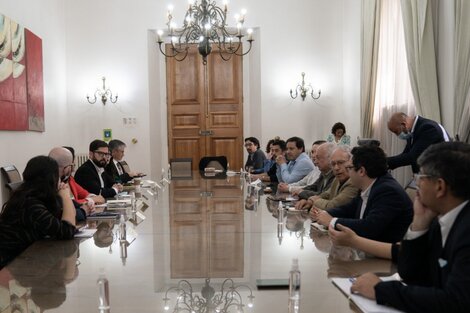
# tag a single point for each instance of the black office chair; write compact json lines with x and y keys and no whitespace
{"x":368,"y":142}
{"x":181,"y":167}
{"x":216,"y":162}
{"x":12,"y":177}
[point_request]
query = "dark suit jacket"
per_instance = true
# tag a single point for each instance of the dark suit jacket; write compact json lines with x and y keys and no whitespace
{"x":387,"y":215}
{"x":87,"y":177}
{"x":438,"y":279}
{"x":113,"y":172}
{"x":426,"y":133}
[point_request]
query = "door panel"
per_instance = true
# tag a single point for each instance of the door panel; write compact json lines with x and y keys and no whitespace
{"x":205,"y":98}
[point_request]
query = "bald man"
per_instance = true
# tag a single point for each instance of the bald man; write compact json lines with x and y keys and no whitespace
{"x":85,"y":202}
{"x":419,"y":133}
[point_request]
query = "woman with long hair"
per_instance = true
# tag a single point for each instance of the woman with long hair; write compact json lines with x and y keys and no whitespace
{"x":40,"y":208}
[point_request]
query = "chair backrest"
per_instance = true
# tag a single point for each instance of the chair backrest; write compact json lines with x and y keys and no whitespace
{"x":11,"y":174}
{"x":12,"y":177}
{"x":125,"y":166}
{"x":217,"y":162}
{"x":411,"y":189}
{"x":367,"y":142}
{"x":181,"y":167}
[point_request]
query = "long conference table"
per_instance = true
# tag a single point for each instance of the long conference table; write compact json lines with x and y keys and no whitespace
{"x":199,"y":244}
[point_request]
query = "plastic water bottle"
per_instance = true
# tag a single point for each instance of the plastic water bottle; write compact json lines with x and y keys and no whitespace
{"x":294,"y":287}
{"x":103,"y":291}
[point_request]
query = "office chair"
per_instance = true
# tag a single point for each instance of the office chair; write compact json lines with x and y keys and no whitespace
{"x":12,"y":177}
{"x":216,"y":162}
{"x":125,"y":166}
{"x":368,"y":142}
{"x":181,"y":167}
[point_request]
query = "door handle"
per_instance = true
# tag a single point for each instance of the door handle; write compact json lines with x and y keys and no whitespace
{"x":206,"y":133}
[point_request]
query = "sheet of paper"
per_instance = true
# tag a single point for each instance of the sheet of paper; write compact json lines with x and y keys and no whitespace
{"x":366,"y":305}
{"x":85,"y":233}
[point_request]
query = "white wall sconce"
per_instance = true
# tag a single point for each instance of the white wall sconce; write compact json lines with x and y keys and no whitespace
{"x":304,"y":90}
{"x":104,"y":93}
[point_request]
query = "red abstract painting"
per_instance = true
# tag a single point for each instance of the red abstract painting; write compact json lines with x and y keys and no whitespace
{"x":21,"y":78}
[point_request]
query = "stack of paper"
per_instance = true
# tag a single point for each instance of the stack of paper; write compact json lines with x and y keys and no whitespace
{"x":366,"y":305}
{"x":116,"y":204}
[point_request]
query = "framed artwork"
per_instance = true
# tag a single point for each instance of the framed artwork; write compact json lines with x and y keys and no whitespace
{"x":21,"y":78}
{"x":107,"y":135}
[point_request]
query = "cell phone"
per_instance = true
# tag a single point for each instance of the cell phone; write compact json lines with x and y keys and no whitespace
{"x":104,"y":215}
{"x":272,"y":283}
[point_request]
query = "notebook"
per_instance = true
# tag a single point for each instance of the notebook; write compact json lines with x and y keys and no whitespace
{"x":366,"y":305}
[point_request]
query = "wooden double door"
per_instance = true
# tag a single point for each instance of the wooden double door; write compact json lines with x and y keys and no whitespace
{"x":205,"y":108}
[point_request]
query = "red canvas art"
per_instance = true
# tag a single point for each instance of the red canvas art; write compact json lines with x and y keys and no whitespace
{"x":21,"y":78}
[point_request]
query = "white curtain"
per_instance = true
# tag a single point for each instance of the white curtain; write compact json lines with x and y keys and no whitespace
{"x":393,"y":90}
{"x":369,"y":58}
{"x":462,"y":69}
{"x":419,"y":36}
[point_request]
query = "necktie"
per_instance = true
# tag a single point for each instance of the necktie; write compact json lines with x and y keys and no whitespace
{"x":120,"y":168}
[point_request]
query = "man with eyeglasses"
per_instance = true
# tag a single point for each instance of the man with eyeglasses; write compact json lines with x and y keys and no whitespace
{"x":341,"y":190}
{"x":382,"y":211}
{"x":84,"y":206}
{"x":255,"y":161}
{"x":434,"y":258}
{"x":92,"y":176}
{"x":115,"y":167}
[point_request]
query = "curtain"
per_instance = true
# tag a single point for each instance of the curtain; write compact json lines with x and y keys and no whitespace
{"x":419,"y":42}
{"x":369,"y":58}
{"x":393,"y":90}
{"x":462,"y":69}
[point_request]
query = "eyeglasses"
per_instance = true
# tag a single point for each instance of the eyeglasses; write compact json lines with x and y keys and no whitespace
{"x":339,"y":163}
{"x":103,"y":154}
{"x":418,"y":177}
{"x":70,"y":165}
{"x":248,"y":144}
{"x":350,"y":167}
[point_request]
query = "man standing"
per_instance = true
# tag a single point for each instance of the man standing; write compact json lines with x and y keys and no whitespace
{"x":91,"y":174}
{"x":299,"y":163}
{"x":434,"y":259}
{"x":115,"y":168}
{"x":383,"y":210}
{"x":419,"y":134}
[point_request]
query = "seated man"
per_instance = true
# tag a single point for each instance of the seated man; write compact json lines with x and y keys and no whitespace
{"x":278,"y":147}
{"x":323,"y":183}
{"x":341,"y":191}
{"x":434,"y":257}
{"x":64,"y":160}
{"x":299,"y":163}
{"x":311,"y":178}
{"x":91,"y":174}
{"x":114,"y":168}
{"x":383,"y":210}
{"x":255,"y":161}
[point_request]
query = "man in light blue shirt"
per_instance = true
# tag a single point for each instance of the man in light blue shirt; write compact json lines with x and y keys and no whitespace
{"x":299,"y":163}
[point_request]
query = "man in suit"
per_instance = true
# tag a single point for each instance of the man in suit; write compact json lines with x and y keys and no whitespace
{"x":341,"y":191}
{"x":419,"y":134}
{"x":434,"y":259}
{"x":383,"y":210}
{"x":115,"y":168}
{"x":91,"y":174}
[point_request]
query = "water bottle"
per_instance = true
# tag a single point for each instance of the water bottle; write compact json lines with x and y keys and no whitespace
{"x":103,"y":291}
{"x":294,"y":287}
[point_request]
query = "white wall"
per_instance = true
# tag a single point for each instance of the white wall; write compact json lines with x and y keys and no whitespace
{"x":45,"y":19}
{"x":84,"y":40}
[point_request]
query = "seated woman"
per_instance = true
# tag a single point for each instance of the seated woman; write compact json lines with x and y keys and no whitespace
{"x":338,"y":135}
{"x":40,"y":208}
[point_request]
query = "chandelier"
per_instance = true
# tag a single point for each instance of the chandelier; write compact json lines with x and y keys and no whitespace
{"x":104,"y":94}
{"x":205,"y":24}
{"x":305,"y":89}
{"x":228,"y":299}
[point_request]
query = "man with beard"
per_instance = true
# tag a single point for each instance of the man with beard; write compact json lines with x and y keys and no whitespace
{"x":91,"y":174}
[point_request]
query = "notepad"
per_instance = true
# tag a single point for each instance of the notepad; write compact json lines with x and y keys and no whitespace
{"x":366,"y":305}
{"x":85,"y":233}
